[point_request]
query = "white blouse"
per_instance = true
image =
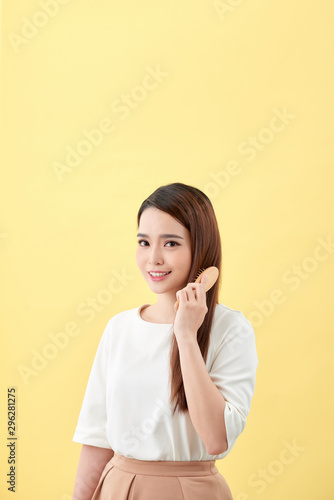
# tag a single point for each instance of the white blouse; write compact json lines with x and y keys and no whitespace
{"x":126,"y":405}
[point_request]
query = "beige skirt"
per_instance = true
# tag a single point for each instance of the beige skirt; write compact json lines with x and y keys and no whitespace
{"x":126,"y":478}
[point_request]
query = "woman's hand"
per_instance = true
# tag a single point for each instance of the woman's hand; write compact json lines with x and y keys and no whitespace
{"x":191,"y":311}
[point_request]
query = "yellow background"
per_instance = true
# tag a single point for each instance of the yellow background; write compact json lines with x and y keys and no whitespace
{"x":228,"y":67}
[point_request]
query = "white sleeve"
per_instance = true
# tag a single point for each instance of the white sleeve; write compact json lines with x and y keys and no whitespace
{"x":233,"y":371}
{"x":91,"y":427}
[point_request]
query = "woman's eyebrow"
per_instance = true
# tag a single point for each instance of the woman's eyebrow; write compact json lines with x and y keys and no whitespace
{"x":161,"y":236}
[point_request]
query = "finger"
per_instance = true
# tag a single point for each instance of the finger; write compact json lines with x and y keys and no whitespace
{"x":198,"y":292}
{"x":195,"y":290}
{"x":201,"y":293}
{"x":182,"y":295}
{"x":194,"y":286}
{"x":204,"y":279}
{"x":188,"y":294}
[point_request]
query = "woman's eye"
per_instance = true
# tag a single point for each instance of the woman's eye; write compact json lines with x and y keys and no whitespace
{"x":174,"y":243}
{"x":142,"y":241}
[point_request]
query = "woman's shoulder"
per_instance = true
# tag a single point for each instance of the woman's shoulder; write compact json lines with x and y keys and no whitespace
{"x":229,"y":324}
{"x":119,"y":322}
{"x":233,"y":337}
{"x":124,"y":315}
{"x":223,"y":312}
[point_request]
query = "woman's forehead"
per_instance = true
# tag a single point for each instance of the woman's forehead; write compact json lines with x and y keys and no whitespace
{"x":154,"y":221}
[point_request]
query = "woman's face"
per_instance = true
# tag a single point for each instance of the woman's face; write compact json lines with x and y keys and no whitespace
{"x":158,"y":252}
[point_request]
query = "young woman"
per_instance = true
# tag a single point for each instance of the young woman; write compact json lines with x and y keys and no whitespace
{"x":169,"y":392}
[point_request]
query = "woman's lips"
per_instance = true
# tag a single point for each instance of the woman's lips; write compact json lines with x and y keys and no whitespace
{"x":159,"y":278}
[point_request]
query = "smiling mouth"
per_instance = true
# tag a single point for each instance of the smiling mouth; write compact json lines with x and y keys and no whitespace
{"x":158,"y":275}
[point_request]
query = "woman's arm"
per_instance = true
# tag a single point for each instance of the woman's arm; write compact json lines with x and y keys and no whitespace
{"x":92,"y":461}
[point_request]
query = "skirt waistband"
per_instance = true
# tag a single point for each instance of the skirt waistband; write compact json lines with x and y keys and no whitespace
{"x":164,"y":467}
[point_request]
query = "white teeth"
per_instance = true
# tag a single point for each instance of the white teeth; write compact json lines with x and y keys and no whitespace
{"x":158,"y":274}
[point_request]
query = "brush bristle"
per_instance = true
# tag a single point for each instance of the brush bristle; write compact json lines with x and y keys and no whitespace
{"x":199,"y":272}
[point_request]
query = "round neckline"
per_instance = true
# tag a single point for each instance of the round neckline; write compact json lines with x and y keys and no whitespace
{"x":150,"y":322}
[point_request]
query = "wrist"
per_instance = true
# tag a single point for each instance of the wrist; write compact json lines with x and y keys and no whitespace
{"x":188,"y":340}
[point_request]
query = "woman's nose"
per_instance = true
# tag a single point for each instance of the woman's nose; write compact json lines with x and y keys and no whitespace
{"x":155,"y":256}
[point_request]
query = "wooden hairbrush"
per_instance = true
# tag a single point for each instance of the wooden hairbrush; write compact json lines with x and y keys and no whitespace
{"x":212,"y":274}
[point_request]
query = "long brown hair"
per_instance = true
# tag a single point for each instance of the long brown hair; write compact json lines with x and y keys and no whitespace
{"x":193,"y":209}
